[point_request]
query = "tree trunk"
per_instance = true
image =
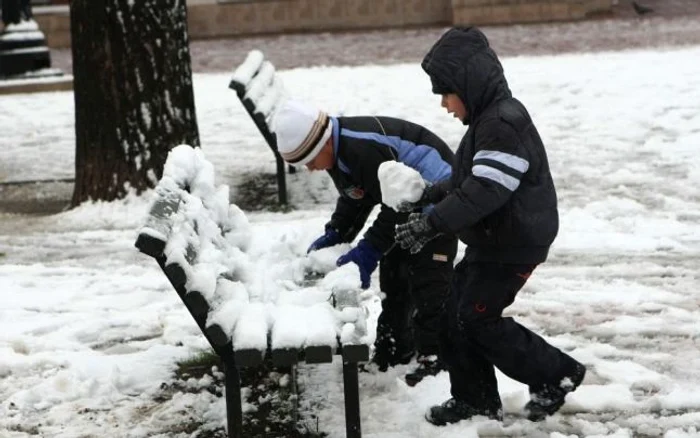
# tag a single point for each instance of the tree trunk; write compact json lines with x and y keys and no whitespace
{"x":133,"y":93}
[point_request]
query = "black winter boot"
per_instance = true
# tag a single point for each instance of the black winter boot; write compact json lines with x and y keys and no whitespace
{"x":453,"y":411}
{"x":548,"y":399}
{"x":427,"y":366}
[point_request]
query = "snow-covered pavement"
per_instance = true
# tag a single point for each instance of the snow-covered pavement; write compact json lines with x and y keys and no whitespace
{"x":89,"y":328}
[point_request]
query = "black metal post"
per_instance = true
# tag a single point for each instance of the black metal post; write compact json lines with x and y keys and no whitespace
{"x":234,"y":408}
{"x":281,"y":180}
{"x":271,"y":140}
{"x":351,"y":388}
{"x":14,"y":11}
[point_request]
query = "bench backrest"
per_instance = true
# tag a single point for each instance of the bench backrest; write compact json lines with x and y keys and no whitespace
{"x":260,"y":90}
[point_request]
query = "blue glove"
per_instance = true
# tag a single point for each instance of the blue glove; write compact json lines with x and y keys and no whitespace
{"x":366,"y":257}
{"x":330,"y":237}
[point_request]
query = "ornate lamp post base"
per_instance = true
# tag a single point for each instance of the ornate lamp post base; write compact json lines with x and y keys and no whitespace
{"x":23,"y":49}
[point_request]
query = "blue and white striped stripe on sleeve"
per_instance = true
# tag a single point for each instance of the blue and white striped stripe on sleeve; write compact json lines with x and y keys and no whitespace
{"x":425,"y":159}
{"x":500,"y":167}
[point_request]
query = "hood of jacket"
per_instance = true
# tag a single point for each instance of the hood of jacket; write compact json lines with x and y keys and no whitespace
{"x":462,"y":62}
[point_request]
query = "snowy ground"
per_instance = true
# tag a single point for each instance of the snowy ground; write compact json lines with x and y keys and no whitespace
{"x":89,"y":329}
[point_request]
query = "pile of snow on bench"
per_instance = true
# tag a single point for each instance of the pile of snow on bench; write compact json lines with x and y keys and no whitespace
{"x":207,"y":240}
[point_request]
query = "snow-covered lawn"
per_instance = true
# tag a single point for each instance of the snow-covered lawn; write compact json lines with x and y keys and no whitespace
{"x":89,"y":328}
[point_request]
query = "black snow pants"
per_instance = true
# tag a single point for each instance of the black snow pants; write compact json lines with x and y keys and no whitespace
{"x":475,"y":336}
{"x":416,"y":287}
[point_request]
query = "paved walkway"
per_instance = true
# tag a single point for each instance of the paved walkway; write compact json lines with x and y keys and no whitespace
{"x":673,"y":23}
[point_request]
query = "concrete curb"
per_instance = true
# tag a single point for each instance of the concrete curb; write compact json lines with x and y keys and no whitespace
{"x":36,"y":85}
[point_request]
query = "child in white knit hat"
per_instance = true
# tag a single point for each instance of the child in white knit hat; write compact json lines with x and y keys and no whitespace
{"x":302,"y":132}
{"x":351,"y":149}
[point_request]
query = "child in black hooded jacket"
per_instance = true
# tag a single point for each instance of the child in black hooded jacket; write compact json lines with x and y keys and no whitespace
{"x":501,"y":202}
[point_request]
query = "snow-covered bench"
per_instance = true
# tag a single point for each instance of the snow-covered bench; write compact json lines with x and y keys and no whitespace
{"x":260,"y":91}
{"x":201,"y":242}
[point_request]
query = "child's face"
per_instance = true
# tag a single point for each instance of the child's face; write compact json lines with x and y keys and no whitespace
{"x":454,"y":105}
{"x":324,"y":160}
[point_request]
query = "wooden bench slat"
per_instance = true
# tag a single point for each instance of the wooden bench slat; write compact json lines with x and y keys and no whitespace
{"x":270,"y":99}
{"x":260,"y":82}
{"x":355,"y":353}
{"x":285,"y":356}
{"x":238,"y":87}
{"x":248,"y":358}
{"x":261,"y":119}
{"x":197,"y":304}
{"x":150,"y":245}
{"x":250,"y":107}
{"x":247,"y":70}
{"x":176,"y":274}
{"x":318,"y":354}
{"x":217,"y":335}
{"x":154,"y":234}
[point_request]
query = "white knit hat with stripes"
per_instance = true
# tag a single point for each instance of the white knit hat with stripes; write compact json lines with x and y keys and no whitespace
{"x":301,"y":130}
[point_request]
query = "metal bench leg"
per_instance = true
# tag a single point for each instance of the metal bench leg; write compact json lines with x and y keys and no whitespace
{"x":234,"y":410}
{"x":352,"y":400}
{"x":281,"y":180}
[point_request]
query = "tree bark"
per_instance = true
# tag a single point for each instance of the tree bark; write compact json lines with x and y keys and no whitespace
{"x":133,"y":93}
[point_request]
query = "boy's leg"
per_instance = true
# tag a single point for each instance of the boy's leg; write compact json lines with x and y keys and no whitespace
{"x":473,"y":382}
{"x":472,"y":376}
{"x":430,"y":272}
{"x":394,"y":341}
{"x":516,"y":351}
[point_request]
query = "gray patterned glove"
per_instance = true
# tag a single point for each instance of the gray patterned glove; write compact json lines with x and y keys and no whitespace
{"x":414,"y":234}
{"x":432,"y":194}
{"x":407,"y":207}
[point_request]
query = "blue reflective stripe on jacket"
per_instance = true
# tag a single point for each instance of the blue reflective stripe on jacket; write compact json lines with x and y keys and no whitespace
{"x":336,"y":145}
{"x":425,"y":159}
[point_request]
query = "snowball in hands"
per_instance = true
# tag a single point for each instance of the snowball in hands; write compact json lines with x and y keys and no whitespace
{"x":399,"y":183}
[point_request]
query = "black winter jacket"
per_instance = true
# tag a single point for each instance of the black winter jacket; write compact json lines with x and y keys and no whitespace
{"x":360,"y":145}
{"x":500,"y":199}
